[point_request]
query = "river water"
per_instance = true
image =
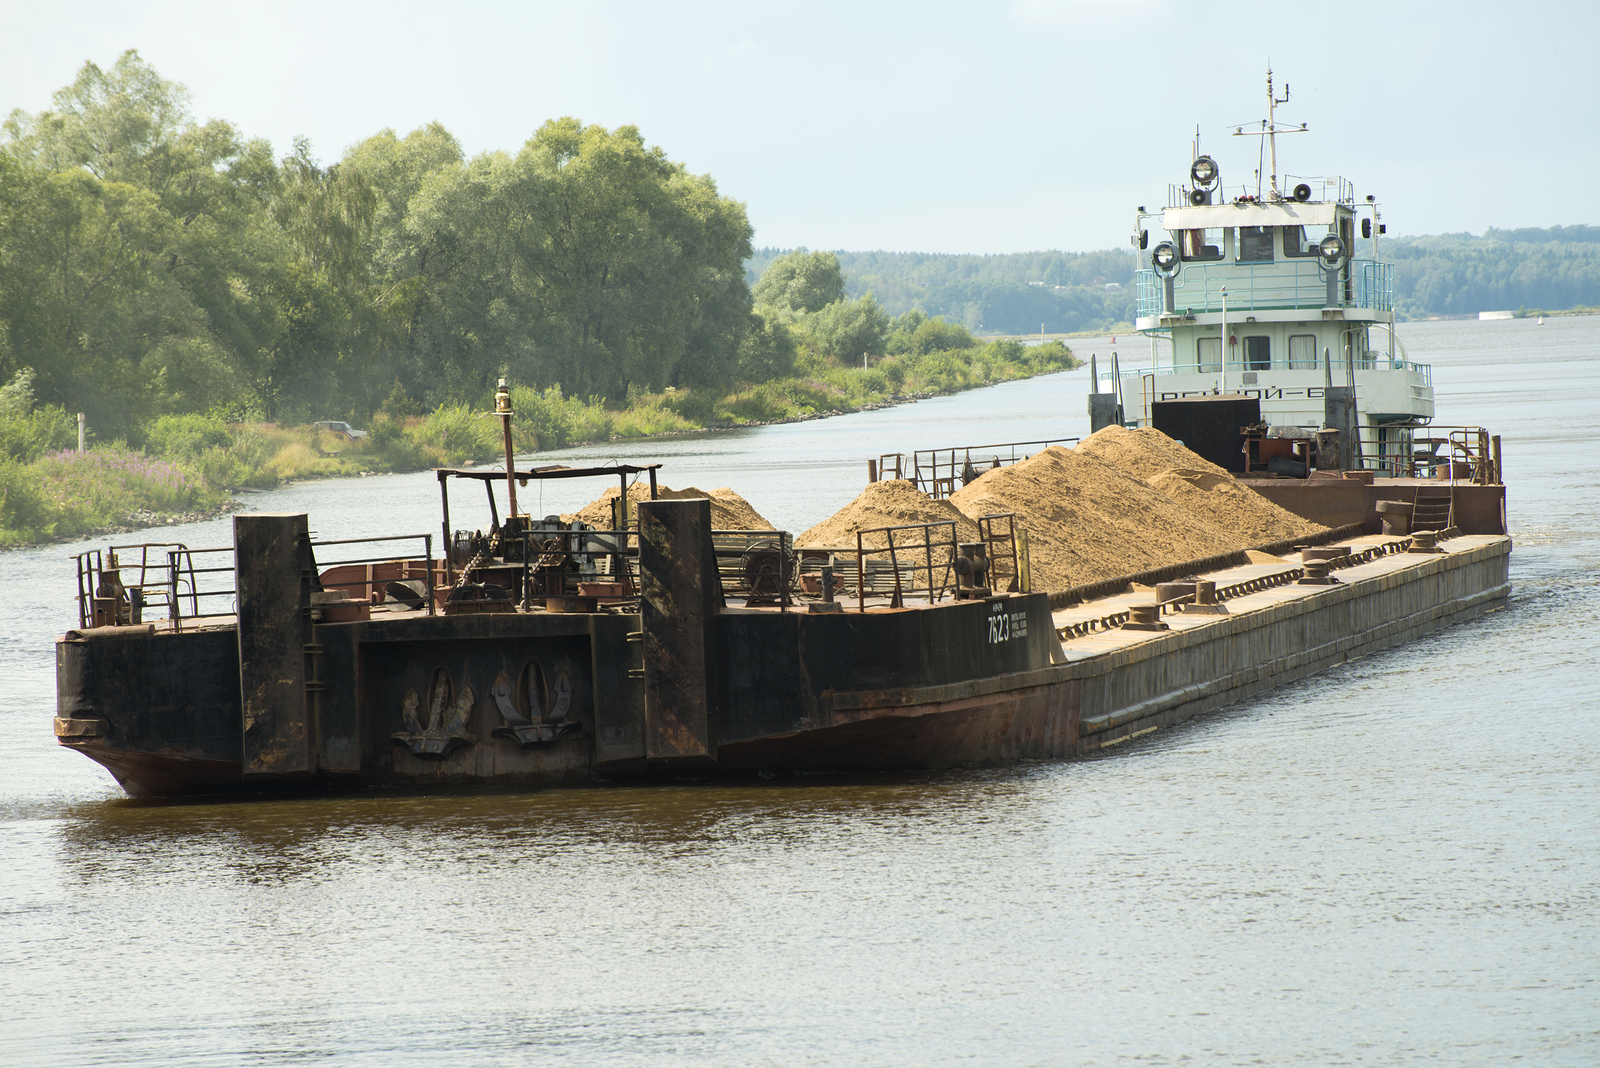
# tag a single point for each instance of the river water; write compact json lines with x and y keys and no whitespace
{"x":1393,"y":863}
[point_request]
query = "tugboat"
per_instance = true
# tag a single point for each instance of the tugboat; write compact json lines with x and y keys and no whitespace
{"x":1261,"y":294}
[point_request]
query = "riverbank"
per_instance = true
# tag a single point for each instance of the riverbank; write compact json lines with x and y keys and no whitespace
{"x":138,"y":521}
{"x":203,"y":452}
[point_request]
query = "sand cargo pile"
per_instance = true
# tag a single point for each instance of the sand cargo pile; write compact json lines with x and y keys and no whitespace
{"x":1122,"y":502}
{"x":729,"y":511}
{"x":891,"y":503}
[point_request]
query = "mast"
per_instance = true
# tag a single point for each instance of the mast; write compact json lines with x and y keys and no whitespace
{"x":1269,"y":129}
{"x":1272,"y":129}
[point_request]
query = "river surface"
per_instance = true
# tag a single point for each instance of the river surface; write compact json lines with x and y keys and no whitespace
{"x":1394,"y":863}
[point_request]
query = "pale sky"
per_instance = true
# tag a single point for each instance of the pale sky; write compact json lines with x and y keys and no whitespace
{"x":936,"y":127}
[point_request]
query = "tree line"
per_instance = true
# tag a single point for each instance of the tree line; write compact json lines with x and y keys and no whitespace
{"x":1014,"y":293}
{"x":151,"y":263}
{"x":1462,"y":274}
{"x":1446,"y":274}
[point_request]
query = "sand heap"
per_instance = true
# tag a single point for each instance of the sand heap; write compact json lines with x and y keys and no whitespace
{"x":891,"y":503}
{"x":729,"y":511}
{"x":1200,"y":486}
{"x":1144,"y":452}
{"x":1088,"y":520}
{"x":1125,"y":501}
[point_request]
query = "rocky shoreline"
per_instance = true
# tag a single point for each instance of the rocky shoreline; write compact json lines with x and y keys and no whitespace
{"x":143,"y":519}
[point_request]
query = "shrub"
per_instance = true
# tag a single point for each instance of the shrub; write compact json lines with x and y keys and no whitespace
{"x":849,"y":329}
{"x":24,"y":515}
{"x":646,"y":418}
{"x":454,"y":432}
{"x":187,"y":436}
{"x":761,"y":404}
{"x":549,"y":419}
{"x":693,"y":405}
{"x":107,"y":484}
{"x":27,"y":430}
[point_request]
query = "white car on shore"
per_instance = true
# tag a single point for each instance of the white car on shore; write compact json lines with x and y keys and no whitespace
{"x":336,"y":426}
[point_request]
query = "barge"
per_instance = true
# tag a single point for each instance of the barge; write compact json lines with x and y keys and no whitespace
{"x":545,"y":652}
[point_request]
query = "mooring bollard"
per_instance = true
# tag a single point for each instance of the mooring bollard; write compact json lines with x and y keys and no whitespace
{"x":1144,"y":617}
{"x":1424,"y":541}
{"x":1205,"y":600}
{"x":1317,"y":574}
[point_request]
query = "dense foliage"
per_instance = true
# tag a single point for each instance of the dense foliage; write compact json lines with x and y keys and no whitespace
{"x":150,"y":264}
{"x":203,"y":302}
{"x":1459,"y":274}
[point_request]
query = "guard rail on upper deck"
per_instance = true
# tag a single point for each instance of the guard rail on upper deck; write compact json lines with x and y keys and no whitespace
{"x":1293,"y":285}
{"x":1373,"y":361}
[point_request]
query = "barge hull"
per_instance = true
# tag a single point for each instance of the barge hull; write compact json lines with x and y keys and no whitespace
{"x":1118,"y":685}
{"x":1110,"y":686}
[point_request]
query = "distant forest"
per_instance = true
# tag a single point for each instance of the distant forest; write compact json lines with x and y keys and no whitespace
{"x":1014,"y":293}
{"x":1459,"y":274}
{"x":1444,"y":274}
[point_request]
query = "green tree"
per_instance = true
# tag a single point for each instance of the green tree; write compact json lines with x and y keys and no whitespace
{"x":28,"y":430}
{"x":849,"y":330}
{"x":142,"y":282}
{"x":801,"y":282}
{"x":588,"y":259}
{"x":768,"y":350}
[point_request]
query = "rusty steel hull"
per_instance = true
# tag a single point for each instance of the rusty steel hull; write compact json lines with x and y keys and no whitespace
{"x":918,"y":688}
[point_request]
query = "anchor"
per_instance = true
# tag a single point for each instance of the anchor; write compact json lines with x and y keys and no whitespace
{"x":437,"y":740}
{"x":538,"y":731}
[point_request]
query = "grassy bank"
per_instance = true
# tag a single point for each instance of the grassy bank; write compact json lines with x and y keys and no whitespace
{"x":189,"y":463}
{"x":68,"y":494}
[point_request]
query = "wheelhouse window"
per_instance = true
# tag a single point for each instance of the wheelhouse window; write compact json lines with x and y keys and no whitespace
{"x":1258,"y":353}
{"x":1255,"y":244}
{"x":1297,"y":242}
{"x":1303,"y":351}
{"x":1198,"y":246}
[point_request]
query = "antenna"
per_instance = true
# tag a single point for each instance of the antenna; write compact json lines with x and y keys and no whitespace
{"x":1270,"y":129}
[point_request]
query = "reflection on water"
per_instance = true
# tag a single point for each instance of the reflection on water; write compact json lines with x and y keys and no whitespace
{"x":1392,"y":863}
{"x":275,"y":839}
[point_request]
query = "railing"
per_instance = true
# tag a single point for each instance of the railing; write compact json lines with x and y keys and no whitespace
{"x":1396,"y":451}
{"x":1006,"y":551}
{"x":379,"y":569}
{"x":940,"y":472}
{"x":1288,"y":284}
{"x":1372,"y":362}
{"x":167,"y":578}
{"x":938,"y":555}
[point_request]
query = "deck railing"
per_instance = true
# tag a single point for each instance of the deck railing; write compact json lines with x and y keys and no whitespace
{"x":1372,"y":362}
{"x":1293,"y":284}
{"x":167,"y":580}
{"x":381,"y":570}
{"x":940,"y":472}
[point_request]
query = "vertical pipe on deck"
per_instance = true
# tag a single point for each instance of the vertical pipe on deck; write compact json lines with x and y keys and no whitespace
{"x":449,"y":564}
{"x":502,"y":408}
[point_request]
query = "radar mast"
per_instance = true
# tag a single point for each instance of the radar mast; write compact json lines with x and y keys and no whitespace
{"x":1270,"y":130}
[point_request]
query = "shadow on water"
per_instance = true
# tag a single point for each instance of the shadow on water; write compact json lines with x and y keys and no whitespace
{"x":283,"y":838}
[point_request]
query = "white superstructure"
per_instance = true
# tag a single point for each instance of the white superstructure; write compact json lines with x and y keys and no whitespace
{"x":1261,"y":295}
